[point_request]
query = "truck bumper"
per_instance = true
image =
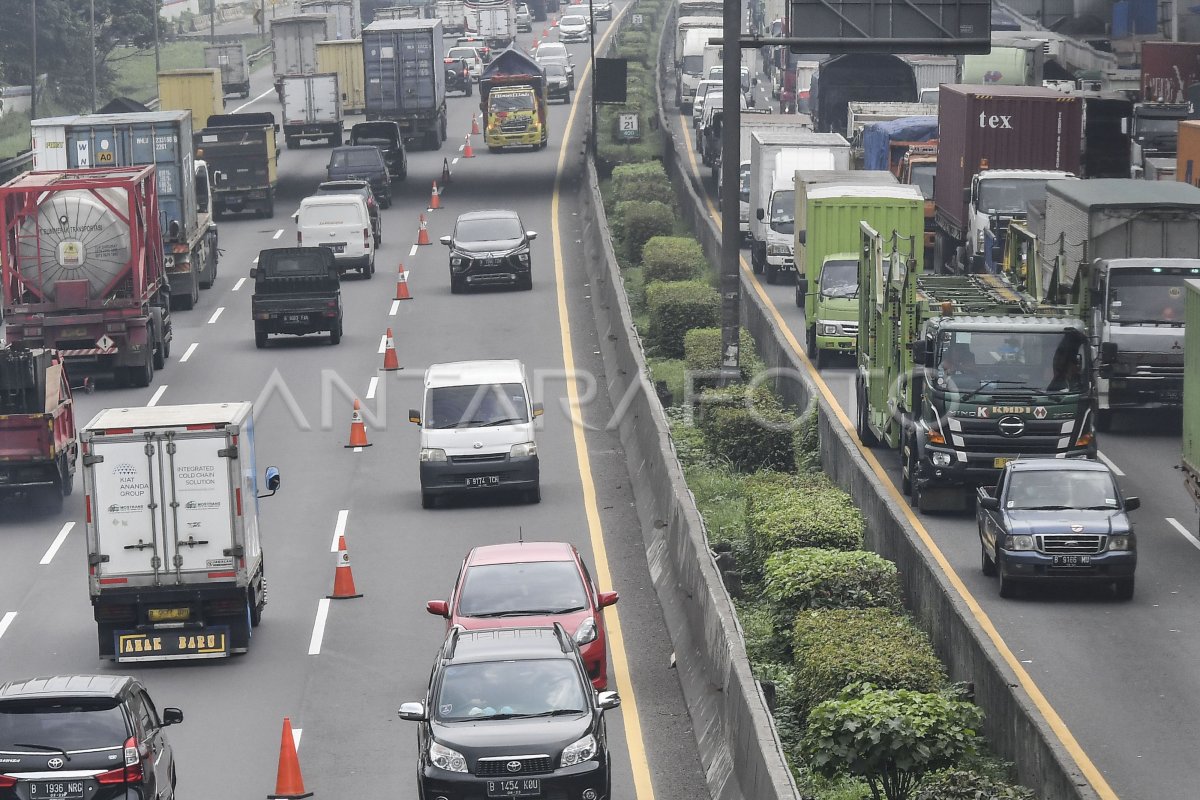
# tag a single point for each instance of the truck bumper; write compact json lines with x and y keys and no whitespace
{"x":296,"y":324}
{"x":511,"y":474}
{"x":242,"y":199}
{"x":526,"y":139}
{"x":1130,"y":393}
{"x":199,"y":621}
{"x":837,"y":344}
{"x":1030,"y":566}
{"x":183,"y":280}
{"x":976,"y":471}
{"x":16,"y":478}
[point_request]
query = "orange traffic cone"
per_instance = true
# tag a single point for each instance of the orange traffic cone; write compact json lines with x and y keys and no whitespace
{"x":343,"y":577}
{"x":289,"y":784}
{"x":423,"y":233}
{"x":468,"y":152}
{"x":358,"y":429}
{"x":545,"y":32}
{"x":402,"y":285}
{"x":391,"y":361}
{"x":474,"y":126}
{"x":554,"y":24}
{"x":434,"y":201}
{"x":445,"y":171}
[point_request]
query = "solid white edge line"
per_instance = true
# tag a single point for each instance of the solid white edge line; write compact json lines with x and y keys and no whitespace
{"x":57,"y":543}
{"x":278,"y":233}
{"x":188,"y":353}
{"x":371,"y":387}
{"x":239,"y":283}
{"x":154,"y":398}
{"x":395,"y":308}
{"x":1174,"y":523}
{"x":1110,"y":464}
{"x":382,"y":343}
{"x":339,"y":529}
{"x":318,"y":636}
{"x":216,"y":315}
{"x":252,"y":102}
{"x":6,"y":621}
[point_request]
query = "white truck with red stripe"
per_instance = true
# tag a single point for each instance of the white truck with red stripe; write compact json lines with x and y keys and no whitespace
{"x":175,"y":560}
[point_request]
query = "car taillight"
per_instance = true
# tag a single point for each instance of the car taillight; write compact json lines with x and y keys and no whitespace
{"x":132,"y":772}
{"x":7,"y":782}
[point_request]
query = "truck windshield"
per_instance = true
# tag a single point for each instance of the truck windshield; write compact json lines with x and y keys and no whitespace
{"x":1151,"y":296}
{"x":922,"y":178}
{"x":1012,"y":363}
{"x":693,"y":65}
{"x":476,"y":406}
{"x":512,"y":102}
{"x":1157,"y":127}
{"x":744,"y":183}
{"x":1060,"y":490}
{"x":783,"y":211}
{"x":1009,"y":195}
{"x":839,"y":278}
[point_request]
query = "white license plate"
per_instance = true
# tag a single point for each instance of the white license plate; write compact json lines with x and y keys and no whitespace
{"x":1072,"y":561}
{"x":515,"y":787}
{"x":56,"y":790}
{"x":484,"y":480}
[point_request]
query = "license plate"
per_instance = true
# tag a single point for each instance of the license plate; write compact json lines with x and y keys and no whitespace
{"x":56,"y":790}
{"x":1072,"y":561}
{"x":338,"y":247}
{"x":491,"y":262}
{"x":484,"y":480}
{"x":999,"y":463}
{"x":515,"y":787}
{"x":295,"y":317}
{"x":169,"y":614}
{"x":73,"y":333}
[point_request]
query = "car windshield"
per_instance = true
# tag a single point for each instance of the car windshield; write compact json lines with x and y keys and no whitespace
{"x":505,"y":689}
{"x":462,"y":52}
{"x":692,"y":65}
{"x":511,"y":101}
{"x":539,"y":587}
{"x":552,"y":49}
{"x":46,"y":726}
{"x":487,"y":229}
{"x":783,"y":211}
{"x":1023,"y":364}
{"x":556,"y":71}
{"x":355,"y":158}
{"x":572,"y":20}
{"x":1060,"y":489}
{"x":1010,"y":195}
{"x":922,"y":178}
{"x":1151,"y":296}
{"x":839,"y":278}
{"x":476,"y":406}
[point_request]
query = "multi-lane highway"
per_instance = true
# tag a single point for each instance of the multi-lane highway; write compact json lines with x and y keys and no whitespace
{"x":1120,"y":676}
{"x":341,"y":678}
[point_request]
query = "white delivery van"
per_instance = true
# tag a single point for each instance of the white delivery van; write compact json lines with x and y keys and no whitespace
{"x":477,"y":431}
{"x":343,"y":224}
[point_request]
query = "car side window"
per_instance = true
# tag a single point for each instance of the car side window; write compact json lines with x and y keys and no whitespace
{"x":148,"y":713}
{"x":587,"y":578}
{"x":1001,"y":484}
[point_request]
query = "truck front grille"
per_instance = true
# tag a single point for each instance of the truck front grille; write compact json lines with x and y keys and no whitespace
{"x":1071,"y":543}
{"x":516,"y":126}
{"x":477,"y":459}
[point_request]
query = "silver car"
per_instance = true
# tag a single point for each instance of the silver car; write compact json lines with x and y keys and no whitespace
{"x":524,"y":18}
{"x":573,"y":28}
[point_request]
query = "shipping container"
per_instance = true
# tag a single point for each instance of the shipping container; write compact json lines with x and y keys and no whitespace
{"x":346,"y":21}
{"x":199,"y":91}
{"x":235,"y":67}
{"x":294,"y":43}
{"x":1168,"y":68}
{"x":932,"y":71}
{"x":863,"y":77}
{"x":405,"y":77}
{"x":345,"y":58}
{"x":1002,"y":127}
{"x":1191,"y":390}
{"x":1015,"y":63}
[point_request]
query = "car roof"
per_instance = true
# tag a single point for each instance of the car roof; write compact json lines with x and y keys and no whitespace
{"x":347,"y":183}
{"x":332,"y":199}
{"x":489,"y":213}
{"x":67,"y":686}
{"x":520,"y":552}
{"x":1057,"y":464}
{"x":473,"y":373}
{"x":579,"y":17}
{"x":506,"y":644}
{"x":350,"y":147}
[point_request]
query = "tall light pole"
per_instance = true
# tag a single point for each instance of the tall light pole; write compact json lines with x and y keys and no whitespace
{"x":92,"y":41}
{"x":33,"y":61}
{"x":592,"y":44}
{"x":157,"y":10}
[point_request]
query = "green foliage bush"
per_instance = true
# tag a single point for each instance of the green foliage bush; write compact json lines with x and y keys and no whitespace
{"x":961,"y":784}
{"x":702,"y":353}
{"x":636,"y":222}
{"x":673,"y":258}
{"x":893,"y":738}
{"x":670,"y":372}
{"x":646,"y":182}
{"x":808,"y":442}
{"x":811,"y":577}
{"x":835,"y":648}
{"x":676,"y":307}
{"x":807,"y":511}
{"x":747,"y":427}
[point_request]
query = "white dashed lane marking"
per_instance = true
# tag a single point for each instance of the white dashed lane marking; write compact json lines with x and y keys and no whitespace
{"x":339,"y":529}
{"x":188,"y":353}
{"x":278,"y":233}
{"x":371,"y":387}
{"x":1184,"y":532}
{"x":57,"y":543}
{"x":216,"y":315}
{"x":1111,"y":465}
{"x":314,"y":643}
{"x":154,"y":398}
{"x":6,"y":621}
{"x":239,"y":283}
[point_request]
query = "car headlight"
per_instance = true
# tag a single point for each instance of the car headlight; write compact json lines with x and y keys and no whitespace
{"x":433,"y":454}
{"x":829,"y":328}
{"x":1120,"y":543}
{"x":582,"y":751}
{"x":1021,"y":542}
{"x":779,"y":249}
{"x":523,"y":257}
{"x":456,"y":261}
{"x":523,"y":450}
{"x":940,"y":459}
{"x":586,"y":632}
{"x":444,"y":758}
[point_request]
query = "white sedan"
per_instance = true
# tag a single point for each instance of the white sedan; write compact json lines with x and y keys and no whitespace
{"x":471,"y":56}
{"x":573,"y":28}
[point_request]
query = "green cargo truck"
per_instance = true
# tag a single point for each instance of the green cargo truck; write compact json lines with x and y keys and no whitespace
{"x":1191,"y":390}
{"x":827,"y":233}
{"x":963,"y":373}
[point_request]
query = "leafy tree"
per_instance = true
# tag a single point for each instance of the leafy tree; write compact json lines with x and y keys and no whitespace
{"x":890,"y":737}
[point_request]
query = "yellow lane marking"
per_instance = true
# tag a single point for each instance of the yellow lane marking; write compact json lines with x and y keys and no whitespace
{"x":643,"y":786}
{"x":1069,"y":742}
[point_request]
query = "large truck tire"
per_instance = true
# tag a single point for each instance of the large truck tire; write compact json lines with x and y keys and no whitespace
{"x":47,"y":500}
{"x":142,"y":374}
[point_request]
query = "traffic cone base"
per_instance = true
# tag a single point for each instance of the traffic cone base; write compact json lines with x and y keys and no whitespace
{"x":343,"y":577}
{"x":423,"y":232}
{"x":402,"y":292}
{"x":289,"y":784}
{"x":468,"y":151}
{"x":358,"y":430}
{"x":391,"y":361}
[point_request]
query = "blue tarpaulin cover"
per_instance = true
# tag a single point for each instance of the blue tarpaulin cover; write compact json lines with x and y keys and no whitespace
{"x":877,"y":136}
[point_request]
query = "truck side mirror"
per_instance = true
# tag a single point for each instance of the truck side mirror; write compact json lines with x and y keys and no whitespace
{"x":414,"y":416}
{"x":802,"y":236}
{"x":758,"y":214}
{"x":272,"y":482}
{"x":538,"y":409}
{"x":253,"y":272}
{"x":967,"y":195}
{"x":801,"y":285}
{"x":1108,"y":352}
{"x":918,"y":352}
{"x":1133,"y":503}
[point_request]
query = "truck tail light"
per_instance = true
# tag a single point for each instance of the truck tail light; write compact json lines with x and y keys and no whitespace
{"x":367,"y":238}
{"x":299,"y":239}
{"x":87,"y":510}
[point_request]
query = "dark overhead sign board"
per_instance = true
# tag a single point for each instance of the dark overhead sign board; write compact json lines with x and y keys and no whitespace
{"x":893,"y":26}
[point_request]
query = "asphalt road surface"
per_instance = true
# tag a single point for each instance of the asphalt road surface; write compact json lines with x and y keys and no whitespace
{"x":342,"y":682}
{"x":1121,"y":677}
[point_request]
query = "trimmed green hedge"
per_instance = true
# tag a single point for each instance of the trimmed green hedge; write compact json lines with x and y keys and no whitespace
{"x":812,"y":577}
{"x":645,"y":181}
{"x":673,"y":258}
{"x":675,"y":308}
{"x":834,"y":648}
{"x":702,"y":352}
{"x":754,"y":435}
{"x":807,"y":511}
{"x":636,"y":222}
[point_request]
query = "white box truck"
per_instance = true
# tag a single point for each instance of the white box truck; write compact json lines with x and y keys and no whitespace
{"x":312,"y":109}
{"x":692,"y":35}
{"x":175,"y":560}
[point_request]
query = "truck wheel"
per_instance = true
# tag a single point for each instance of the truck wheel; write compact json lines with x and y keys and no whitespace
{"x":758,"y":257}
{"x":810,"y":341}
{"x":141,"y":376}
{"x":260,"y":339}
{"x":256,"y":609}
{"x":1123,"y":590}
{"x":160,"y":358}
{"x":269,"y":209}
{"x":66,"y":477}
{"x":1104,"y":419}
{"x":861,"y":427}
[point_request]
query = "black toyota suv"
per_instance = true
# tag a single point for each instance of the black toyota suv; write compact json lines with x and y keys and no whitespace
{"x":511,"y":712}
{"x":84,"y":737}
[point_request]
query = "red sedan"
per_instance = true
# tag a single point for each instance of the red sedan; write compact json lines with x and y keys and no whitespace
{"x":540,"y":583}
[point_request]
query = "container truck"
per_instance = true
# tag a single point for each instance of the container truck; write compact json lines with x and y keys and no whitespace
{"x":863,"y":77}
{"x":174,"y":546}
{"x":82,"y":267}
{"x":1014,"y":63}
{"x":346,"y":23}
{"x":493,"y":21}
{"x":453,"y":15}
{"x":402,"y":61}
{"x":1187,"y":162}
{"x":1168,"y":69}
{"x":312,"y":109}
{"x":345,"y":59}
{"x":962,"y":373}
{"x":242,"y":154}
{"x":1106,"y":144}
{"x":415,"y":10}
{"x":196,"y":90}
{"x":1191,"y":393}
{"x":752,"y":123}
{"x":930,"y":72}
{"x":1154,"y":133}
{"x":161,"y":138}
{"x":998,"y":147}
{"x":859,"y":115}
{"x":512,"y":97}
{"x":294,"y":45}
{"x":38,"y":446}
{"x":234,"y":65}
{"x":692,"y":35}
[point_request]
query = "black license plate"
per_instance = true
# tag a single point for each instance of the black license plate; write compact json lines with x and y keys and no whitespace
{"x":515,"y":787}
{"x":295,"y":317}
{"x":57,"y":790}
{"x":1072,"y":561}
{"x":483,"y":480}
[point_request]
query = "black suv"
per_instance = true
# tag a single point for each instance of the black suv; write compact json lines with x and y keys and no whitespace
{"x":361,"y":163}
{"x":488,"y":248}
{"x":363,"y":190}
{"x":511,"y":712}
{"x":84,"y":737}
{"x":387,"y":136}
